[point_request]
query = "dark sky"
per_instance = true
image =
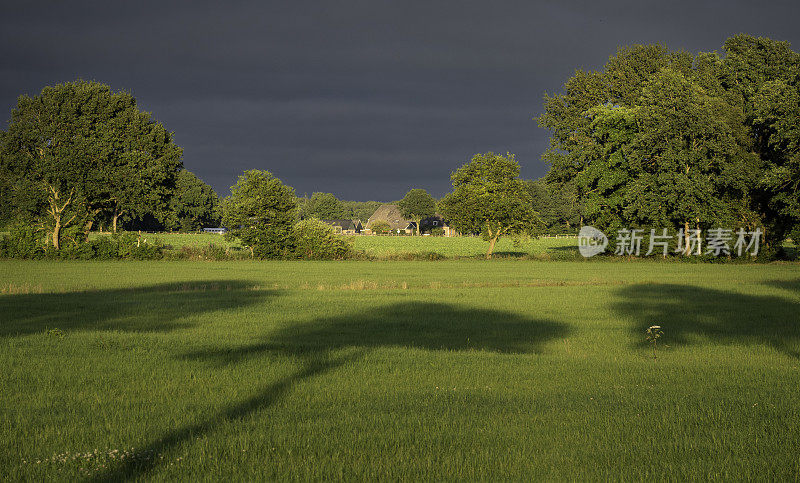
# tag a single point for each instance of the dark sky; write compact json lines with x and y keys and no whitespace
{"x":362,"y":99}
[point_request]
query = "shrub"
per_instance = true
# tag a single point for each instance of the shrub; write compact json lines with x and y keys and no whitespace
{"x":76,"y":251}
{"x":23,"y":241}
{"x":414,"y":256}
{"x":315,"y":240}
{"x":208,"y":252}
{"x":380,"y":227}
{"x":106,"y":248}
{"x":437,"y":231}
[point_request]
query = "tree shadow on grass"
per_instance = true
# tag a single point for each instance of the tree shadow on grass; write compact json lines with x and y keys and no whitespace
{"x":790,"y":285}
{"x":688,"y":314}
{"x":153,"y":308}
{"x":326,"y":344}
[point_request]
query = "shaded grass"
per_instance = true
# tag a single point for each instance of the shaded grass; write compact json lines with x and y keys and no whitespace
{"x":502,"y":370}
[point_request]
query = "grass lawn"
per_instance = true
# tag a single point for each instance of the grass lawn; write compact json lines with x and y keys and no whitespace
{"x":383,"y":246}
{"x":387,"y":246}
{"x":457,"y":369}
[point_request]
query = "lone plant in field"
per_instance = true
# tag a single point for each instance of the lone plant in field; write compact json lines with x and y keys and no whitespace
{"x":654,"y":333}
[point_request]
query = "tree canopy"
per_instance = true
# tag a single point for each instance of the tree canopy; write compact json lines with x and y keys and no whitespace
{"x":417,"y":205}
{"x":194,"y":204}
{"x":260,"y":213}
{"x":488,"y":197}
{"x":669,"y":139}
{"x":78,"y":150}
{"x":323,"y":206}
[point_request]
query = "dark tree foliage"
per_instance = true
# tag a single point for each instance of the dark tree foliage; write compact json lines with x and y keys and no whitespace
{"x":557,"y":204}
{"x":326,"y":206}
{"x":360,"y":210}
{"x":193,"y":206}
{"x":323,"y":206}
{"x":667,"y":139}
{"x":417,"y":205}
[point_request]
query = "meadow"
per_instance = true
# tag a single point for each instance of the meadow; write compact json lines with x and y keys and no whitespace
{"x":463,"y":246}
{"x":398,"y":246}
{"x":455,"y":369}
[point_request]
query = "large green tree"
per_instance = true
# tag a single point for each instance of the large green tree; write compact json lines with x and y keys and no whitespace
{"x":488,"y":197}
{"x":417,"y":205}
{"x":260,"y":213}
{"x":664,"y":138}
{"x":763,"y":77}
{"x":78,"y":149}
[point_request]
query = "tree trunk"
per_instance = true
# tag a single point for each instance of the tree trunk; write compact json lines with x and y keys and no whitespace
{"x":686,"y":239}
{"x":86,"y":229}
{"x":492,"y":240}
{"x":57,"y":213}
{"x":117,"y":214}
{"x":57,"y":232}
{"x":491,"y":247}
{"x":419,"y":227}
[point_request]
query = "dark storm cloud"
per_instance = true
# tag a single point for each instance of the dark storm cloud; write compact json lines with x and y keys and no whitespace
{"x":364,"y":99}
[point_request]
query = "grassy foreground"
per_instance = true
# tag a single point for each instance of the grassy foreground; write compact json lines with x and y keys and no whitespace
{"x":398,"y":370}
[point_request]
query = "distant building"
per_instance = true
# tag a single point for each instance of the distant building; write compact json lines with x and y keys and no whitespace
{"x":391,"y":214}
{"x":219,"y":231}
{"x":346,"y":227}
{"x":435,"y":221}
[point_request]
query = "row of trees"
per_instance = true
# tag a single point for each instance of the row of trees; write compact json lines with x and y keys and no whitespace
{"x":658,"y":138}
{"x":488,"y":197}
{"x":325,"y":206}
{"x":665,"y":138}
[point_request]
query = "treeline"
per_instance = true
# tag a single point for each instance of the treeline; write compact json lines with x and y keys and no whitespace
{"x":325,"y":206}
{"x":656,"y":139}
{"x":663,"y":138}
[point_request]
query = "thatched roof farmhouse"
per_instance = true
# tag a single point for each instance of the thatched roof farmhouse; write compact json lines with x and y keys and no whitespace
{"x":390,"y":214}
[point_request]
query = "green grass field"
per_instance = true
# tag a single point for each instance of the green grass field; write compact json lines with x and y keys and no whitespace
{"x":389,"y":246}
{"x":504,"y":369}
{"x":394,"y":247}
{"x":384,"y":246}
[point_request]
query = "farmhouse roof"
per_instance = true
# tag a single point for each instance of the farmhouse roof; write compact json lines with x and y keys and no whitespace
{"x":390,"y":214}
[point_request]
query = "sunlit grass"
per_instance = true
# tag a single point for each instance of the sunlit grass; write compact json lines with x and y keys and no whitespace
{"x":398,"y":370}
